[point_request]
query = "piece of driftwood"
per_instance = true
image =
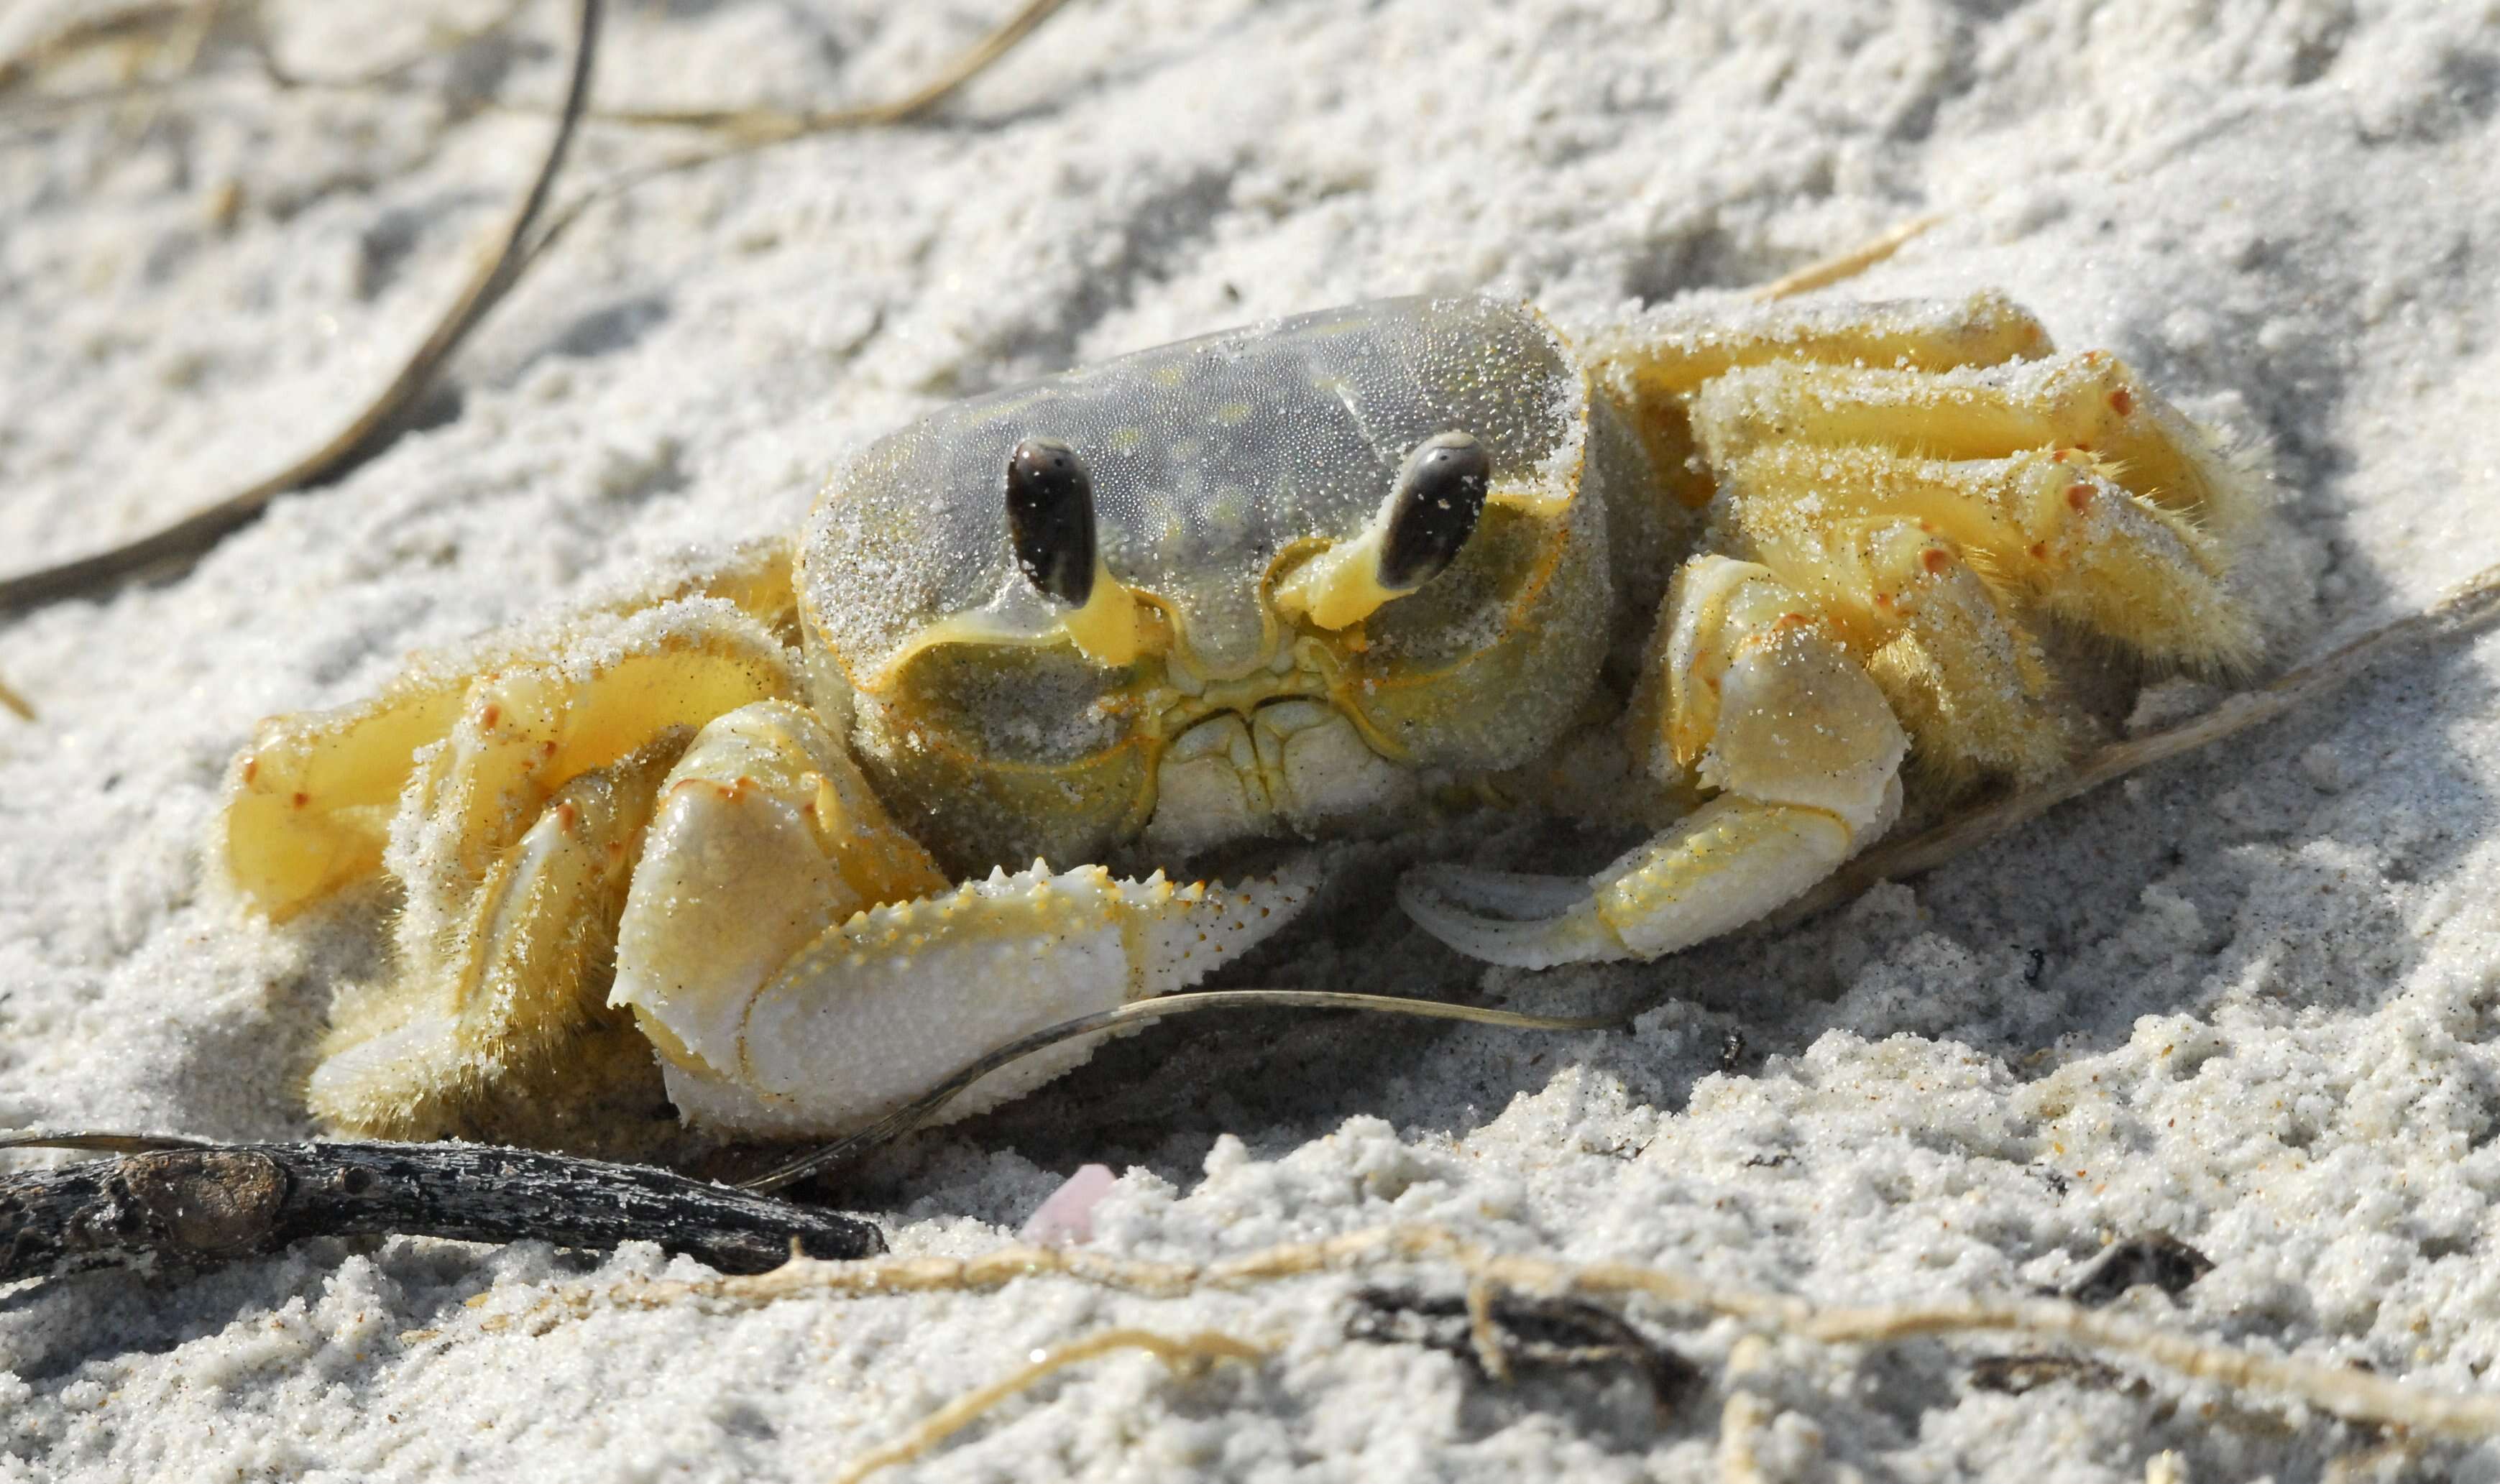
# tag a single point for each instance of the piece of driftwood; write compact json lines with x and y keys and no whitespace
{"x":176,"y":1203}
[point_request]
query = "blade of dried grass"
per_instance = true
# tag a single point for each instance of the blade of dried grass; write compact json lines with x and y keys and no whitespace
{"x":178,"y":545}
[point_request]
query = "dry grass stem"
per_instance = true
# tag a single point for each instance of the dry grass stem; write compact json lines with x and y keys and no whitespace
{"x":2356,"y":1396}
{"x":1188,"y":1352}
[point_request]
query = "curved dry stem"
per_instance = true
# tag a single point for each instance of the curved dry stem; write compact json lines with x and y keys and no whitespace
{"x":767,"y":126}
{"x":754,"y":129}
{"x":1840,"y":266}
{"x":910,"y":1115}
{"x":1188,"y":1352}
{"x":106,"y":27}
{"x":2356,"y":1396}
{"x":186,"y":541}
{"x":387,"y":76}
{"x":177,"y":545}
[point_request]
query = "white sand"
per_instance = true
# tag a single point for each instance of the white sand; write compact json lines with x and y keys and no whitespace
{"x":2246,"y":998}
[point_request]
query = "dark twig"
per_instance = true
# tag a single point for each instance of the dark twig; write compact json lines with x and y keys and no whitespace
{"x":2015,"y":1374}
{"x":182,"y":1203}
{"x":186,"y":540}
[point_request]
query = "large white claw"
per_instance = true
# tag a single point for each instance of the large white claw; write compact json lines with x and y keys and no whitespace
{"x":886,"y":1005}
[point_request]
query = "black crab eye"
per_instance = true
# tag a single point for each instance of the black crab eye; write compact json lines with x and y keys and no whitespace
{"x":1439,"y":494}
{"x":1050,"y":518}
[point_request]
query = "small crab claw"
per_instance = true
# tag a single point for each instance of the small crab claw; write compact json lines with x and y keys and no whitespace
{"x":1763,"y":703}
{"x":803,"y":968}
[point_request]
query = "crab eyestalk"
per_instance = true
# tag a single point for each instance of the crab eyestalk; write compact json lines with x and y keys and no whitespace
{"x":1430,"y":512}
{"x":1050,"y":517}
{"x":1050,"y":520}
{"x":1438,"y":498}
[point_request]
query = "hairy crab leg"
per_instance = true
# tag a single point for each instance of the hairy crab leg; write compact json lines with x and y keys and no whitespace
{"x":1652,"y":365}
{"x":802,"y":965}
{"x":1924,"y":512}
{"x":309,"y":804}
{"x":426,"y":1052}
{"x":2060,"y":526}
{"x":2090,"y":402}
{"x":506,"y":791}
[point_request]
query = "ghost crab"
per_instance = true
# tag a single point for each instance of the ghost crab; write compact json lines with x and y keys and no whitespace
{"x":1314,"y":576}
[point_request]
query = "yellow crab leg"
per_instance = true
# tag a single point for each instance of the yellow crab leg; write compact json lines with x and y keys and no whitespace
{"x":309,"y":804}
{"x":1653,"y":364}
{"x":423,"y":1056}
{"x":1767,"y":705}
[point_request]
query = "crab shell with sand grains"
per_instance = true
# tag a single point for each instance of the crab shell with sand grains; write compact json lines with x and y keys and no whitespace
{"x":781,"y":829}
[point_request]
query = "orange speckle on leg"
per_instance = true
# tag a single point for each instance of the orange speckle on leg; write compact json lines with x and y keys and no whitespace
{"x":250,"y":769}
{"x":492,"y":714}
{"x":2121,"y":402}
{"x":2059,"y":456}
{"x":303,"y":799}
{"x":2078,"y":496}
{"x":2039,"y":551}
{"x":1936,"y":560}
{"x":565,"y":815}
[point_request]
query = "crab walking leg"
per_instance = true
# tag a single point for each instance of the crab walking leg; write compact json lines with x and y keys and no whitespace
{"x":414,"y":1057}
{"x":1920,"y":511}
{"x":1959,"y":670}
{"x":1653,"y":365}
{"x":2090,"y":404}
{"x":612,"y":688}
{"x":802,"y":965}
{"x":308,"y":805}
{"x":2056,"y":525}
{"x":514,"y":838}
{"x":1763,"y":704}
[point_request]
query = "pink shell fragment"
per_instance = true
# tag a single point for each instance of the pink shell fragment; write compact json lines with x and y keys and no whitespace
{"x":1067,"y":1214}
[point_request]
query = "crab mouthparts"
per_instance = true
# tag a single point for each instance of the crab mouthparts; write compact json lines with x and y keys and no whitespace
{"x":1296,"y":764}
